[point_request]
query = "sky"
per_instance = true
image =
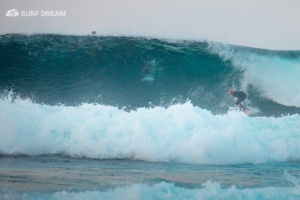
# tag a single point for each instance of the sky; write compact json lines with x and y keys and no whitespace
{"x":268,"y":24}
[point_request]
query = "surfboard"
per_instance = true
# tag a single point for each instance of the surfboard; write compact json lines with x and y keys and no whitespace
{"x":247,"y":112}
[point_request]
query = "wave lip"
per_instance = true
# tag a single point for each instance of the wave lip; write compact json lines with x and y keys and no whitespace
{"x":180,"y":133}
{"x":274,"y":74}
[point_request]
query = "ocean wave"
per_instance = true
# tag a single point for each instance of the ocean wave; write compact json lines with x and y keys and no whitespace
{"x":180,"y":133}
{"x":274,"y":74}
{"x":138,"y":72}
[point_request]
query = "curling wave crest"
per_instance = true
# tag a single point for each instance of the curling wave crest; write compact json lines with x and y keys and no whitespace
{"x":274,"y":74}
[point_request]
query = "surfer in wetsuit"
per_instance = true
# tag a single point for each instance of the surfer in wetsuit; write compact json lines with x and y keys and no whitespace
{"x":241,"y":97}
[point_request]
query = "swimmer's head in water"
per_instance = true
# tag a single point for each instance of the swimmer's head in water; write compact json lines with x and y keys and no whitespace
{"x":230,"y":91}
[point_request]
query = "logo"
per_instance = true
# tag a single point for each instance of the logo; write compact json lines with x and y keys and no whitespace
{"x":12,"y":13}
{"x":36,"y":13}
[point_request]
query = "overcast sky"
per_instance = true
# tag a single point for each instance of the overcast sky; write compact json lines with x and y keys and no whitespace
{"x":269,"y":24}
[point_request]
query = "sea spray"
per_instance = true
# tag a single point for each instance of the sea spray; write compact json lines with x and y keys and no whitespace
{"x":179,"y":133}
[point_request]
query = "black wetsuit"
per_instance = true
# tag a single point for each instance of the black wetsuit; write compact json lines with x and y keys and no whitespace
{"x":241,"y":97}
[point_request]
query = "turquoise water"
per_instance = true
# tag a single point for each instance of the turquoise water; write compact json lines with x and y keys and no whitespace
{"x":86,"y":117}
{"x":59,"y":177}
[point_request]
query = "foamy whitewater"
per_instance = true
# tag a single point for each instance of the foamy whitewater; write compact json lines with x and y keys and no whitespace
{"x":93,"y":117}
{"x":180,"y":133}
{"x":210,"y":190}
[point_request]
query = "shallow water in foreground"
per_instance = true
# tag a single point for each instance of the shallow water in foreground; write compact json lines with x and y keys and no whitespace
{"x":59,"y":177}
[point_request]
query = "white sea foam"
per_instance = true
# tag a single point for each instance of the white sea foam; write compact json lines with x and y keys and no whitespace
{"x":180,"y":133}
{"x":275,"y":77}
{"x":210,"y":190}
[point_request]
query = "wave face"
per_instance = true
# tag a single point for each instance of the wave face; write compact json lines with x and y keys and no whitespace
{"x":147,"y":99}
{"x":139,"y":72}
{"x":274,"y":74}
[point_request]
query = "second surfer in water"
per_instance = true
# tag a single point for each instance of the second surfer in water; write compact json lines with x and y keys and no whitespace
{"x":241,"y":97}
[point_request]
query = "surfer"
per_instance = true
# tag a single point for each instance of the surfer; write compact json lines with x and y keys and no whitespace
{"x":241,"y":97}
